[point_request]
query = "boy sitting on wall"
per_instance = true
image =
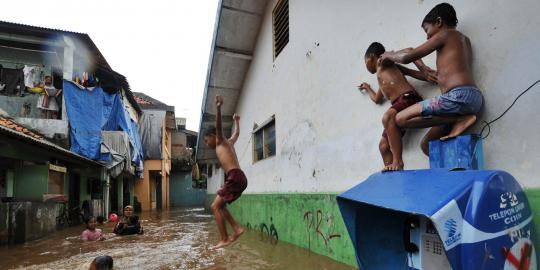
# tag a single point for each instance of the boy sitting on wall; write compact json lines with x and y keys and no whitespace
{"x":460,"y":100}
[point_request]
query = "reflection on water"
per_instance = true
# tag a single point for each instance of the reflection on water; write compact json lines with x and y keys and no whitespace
{"x":176,"y":239}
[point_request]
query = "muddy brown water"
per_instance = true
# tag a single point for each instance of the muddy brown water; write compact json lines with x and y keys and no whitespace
{"x":176,"y":239}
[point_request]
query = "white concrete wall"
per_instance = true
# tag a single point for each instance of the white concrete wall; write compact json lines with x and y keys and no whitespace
{"x":216,"y":181}
{"x":327,"y":132}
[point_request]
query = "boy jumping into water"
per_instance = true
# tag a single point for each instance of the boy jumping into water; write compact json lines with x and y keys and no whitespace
{"x":460,"y":100}
{"x":235,"y":180}
{"x":394,"y":87}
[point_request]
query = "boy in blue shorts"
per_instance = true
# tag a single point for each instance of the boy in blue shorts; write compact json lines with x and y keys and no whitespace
{"x":460,"y":100}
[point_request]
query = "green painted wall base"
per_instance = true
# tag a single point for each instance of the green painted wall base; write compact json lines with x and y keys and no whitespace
{"x":311,"y":221}
{"x":534,"y":200}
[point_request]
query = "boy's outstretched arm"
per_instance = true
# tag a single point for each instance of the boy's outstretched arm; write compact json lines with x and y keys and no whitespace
{"x":424,"y":73}
{"x":377,"y":97}
{"x":236,"y":131}
{"x":409,"y":55}
{"x":219,"y":130}
{"x":429,"y":73}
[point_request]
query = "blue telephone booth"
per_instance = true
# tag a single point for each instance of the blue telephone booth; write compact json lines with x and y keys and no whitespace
{"x":440,"y":219}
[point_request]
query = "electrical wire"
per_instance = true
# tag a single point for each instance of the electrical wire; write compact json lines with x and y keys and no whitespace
{"x":245,"y":149}
{"x":488,"y":124}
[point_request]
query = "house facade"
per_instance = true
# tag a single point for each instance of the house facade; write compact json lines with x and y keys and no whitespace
{"x":291,"y":70}
{"x":83,"y":177}
{"x":183,"y":192}
{"x":156,"y":124}
{"x":39,"y":180}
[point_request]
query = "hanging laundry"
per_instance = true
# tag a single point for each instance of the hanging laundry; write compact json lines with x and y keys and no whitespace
{"x":33,"y":76}
{"x":14,"y":81}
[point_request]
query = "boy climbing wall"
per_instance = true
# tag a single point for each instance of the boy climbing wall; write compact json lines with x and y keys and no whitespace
{"x":460,"y":100}
{"x":394,"y":87}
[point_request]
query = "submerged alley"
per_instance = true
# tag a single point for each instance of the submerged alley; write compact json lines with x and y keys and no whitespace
{"x":270,"y":134}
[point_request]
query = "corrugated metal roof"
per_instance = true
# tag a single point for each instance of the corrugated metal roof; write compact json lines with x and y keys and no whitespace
{"x":237,"y":27}
{"x":147,"y":102}
{"x":38,"y":31}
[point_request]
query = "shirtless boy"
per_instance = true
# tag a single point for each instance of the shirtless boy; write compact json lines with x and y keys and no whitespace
{"x":460,"y":100}
{"x":235,"y":180}
{"x":394,"y":87}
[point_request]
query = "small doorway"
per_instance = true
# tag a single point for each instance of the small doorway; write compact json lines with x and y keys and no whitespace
{"x":74,"y":198}
{"x":127,"y":193}
{"x":159,"y":200}
{"x":155,"y":190}
{"x":113,"y":194}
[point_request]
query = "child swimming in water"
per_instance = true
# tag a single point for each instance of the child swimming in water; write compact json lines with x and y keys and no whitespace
{"x":92,"y":233}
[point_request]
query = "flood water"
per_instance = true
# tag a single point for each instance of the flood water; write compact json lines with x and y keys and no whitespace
{"x":176,"y":239}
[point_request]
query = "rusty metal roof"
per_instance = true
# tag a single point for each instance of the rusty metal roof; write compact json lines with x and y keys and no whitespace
{"x":147,"y":102}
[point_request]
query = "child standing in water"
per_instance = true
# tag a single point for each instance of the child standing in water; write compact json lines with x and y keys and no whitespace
{"x":235,"y":179}
{"x":394,"y":87}
{"x":460,"y":100}
{"x":92,"y":233}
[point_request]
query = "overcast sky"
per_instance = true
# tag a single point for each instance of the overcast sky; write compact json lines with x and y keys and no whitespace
{"x":161,"y":46}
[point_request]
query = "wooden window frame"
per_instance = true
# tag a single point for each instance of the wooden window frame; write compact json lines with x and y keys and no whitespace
{"x":263,"y":128}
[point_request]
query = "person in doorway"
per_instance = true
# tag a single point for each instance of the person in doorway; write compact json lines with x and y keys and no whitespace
{"x":92,"y":233}
{"x":128,"y":223}
{"x":102,"y":263}
{"x":451,"y":113}
{"x":393,"y":86}
{"x":48,"y":103}
{"x":235,"y":179}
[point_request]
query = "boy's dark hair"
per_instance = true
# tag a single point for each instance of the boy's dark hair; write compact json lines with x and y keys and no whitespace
{"x":445,"y":11}
{"x":210,"y":131}
{"x":48,"y":76}
{"x":376,"y":49}
{"x":87,"y":220}
{"x":104,"y":262}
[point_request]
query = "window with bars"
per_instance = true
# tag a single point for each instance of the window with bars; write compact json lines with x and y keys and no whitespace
{"x":264,"y":141}
{"x":280,"y":21}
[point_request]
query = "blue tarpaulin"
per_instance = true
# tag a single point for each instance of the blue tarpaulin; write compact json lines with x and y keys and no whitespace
{"x":91,"y":111}
{"x":482,"y":217}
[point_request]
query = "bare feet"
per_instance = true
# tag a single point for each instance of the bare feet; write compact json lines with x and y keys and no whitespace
{"x":221,"y":244}
{"x":395,"y":166}
{"x":237,"y":234}
{"x":460,"y":126}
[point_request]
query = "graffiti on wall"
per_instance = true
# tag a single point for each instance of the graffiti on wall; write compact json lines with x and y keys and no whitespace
{"x":266,"y":233}
{"x":321,"y":227}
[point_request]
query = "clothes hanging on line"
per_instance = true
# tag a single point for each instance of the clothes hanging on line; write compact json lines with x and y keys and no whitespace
{"x":13,"y":80}
{"x":33,"y":76}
